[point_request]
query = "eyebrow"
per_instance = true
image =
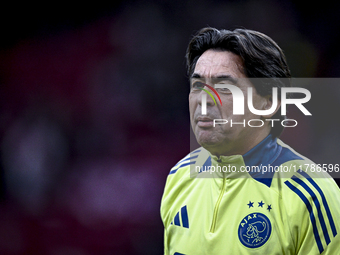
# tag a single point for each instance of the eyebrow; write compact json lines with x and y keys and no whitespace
{"x":222,"y":77}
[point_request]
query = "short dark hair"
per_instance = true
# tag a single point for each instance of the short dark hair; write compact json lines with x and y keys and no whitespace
{"x":262,"y":58}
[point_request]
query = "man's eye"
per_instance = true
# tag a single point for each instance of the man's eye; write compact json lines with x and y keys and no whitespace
{"x":198,"y":85}
{"x":223,"y":90}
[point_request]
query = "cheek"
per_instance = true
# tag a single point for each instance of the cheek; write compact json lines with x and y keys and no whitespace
{"x":226,"y":109}
{"x":258,"y":103}
{"x":192,"y":103}
{"x":190,"y":98}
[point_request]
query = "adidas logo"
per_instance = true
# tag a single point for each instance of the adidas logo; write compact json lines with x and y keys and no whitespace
{"x":181,"y":216}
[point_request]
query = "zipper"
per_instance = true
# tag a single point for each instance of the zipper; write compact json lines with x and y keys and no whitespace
{"x":217,"y":205}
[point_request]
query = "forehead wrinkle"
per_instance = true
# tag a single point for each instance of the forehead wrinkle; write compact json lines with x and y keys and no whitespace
{"x":210,"y":65}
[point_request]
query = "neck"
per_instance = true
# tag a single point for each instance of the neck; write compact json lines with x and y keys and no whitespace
{"x":238,"y":147}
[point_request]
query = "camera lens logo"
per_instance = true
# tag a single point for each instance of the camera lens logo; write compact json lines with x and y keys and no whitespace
{"x":204,"y":98}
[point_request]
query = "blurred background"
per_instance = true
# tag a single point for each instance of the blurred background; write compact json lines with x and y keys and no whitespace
{"x":93,"y":112}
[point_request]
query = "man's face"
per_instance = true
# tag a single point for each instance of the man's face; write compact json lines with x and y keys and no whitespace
{"x":223,"y":67}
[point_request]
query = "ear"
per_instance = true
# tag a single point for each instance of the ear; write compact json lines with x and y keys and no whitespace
{"x":268,"y":102}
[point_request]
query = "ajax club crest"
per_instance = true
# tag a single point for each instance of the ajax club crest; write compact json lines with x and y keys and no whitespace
{"x":254,"y":230}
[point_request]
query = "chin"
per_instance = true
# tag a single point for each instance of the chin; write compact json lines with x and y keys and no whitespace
{"x":208,"y":143}
{"x":210,"y":138}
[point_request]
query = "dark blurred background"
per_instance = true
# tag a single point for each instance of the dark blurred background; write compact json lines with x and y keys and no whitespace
{"x":93,"y":112}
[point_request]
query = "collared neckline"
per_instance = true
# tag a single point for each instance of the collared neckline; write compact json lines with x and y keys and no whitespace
{"x":265,"y":153}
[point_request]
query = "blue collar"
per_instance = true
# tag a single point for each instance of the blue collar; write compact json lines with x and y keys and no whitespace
{"x":266,"y":152}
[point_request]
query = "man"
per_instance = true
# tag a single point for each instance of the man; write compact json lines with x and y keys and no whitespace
{"x":233,"y":211}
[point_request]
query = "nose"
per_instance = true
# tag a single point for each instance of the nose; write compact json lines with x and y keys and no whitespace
{"x":205,"y":99}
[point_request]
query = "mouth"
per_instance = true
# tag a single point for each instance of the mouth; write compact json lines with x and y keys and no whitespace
{"x":204,"y":122}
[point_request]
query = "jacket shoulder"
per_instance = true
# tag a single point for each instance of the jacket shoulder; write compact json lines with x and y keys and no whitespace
{"x":189,"y":162}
